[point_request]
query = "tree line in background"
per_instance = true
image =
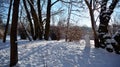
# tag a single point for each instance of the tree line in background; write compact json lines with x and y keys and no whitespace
{"x":32,"y":19}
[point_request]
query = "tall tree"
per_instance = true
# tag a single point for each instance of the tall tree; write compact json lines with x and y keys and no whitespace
{"x":29,"y":19}
{"x":105,"y":16}
{"x":13,"y":34}
{"x":68,"y":19}
{"x":35,"y":19}
{"x":91,"y":7}
{"x":47,"y":26}
{"x":40,"y":18}
{"x":48,"y":17}
{"x":8,"y":19}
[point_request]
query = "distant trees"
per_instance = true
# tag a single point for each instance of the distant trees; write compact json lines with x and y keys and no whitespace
{"x":72,"y":8}
{"x":1,"y":34}
{"x":1,"y":18}
{"x":1,"y":30}
{"x":55,"y":33}
{"x":74,"y":33}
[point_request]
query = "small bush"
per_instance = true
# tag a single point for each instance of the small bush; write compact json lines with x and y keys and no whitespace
{"x":55,"y":33}
{"x":74,"y":33}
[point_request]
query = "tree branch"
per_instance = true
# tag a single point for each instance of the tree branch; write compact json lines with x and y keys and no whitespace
{"x":54,"y":2}
{"x":90,"y":3}
{"x":112,"y":6}
{"x":86,"y":1}
{"x":71,"y":1}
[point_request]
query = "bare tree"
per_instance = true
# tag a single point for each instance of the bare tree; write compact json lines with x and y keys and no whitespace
{"x":91,"y":4}
{"x":29,"y":19}
{"x":8,"y":19}
{"x":47,"y":26}
{"x":40,"y":18}
{"x":72,"y":9}
{"x":68,"y":19}
{"x":35,"y":19}
{"x":13,"y":34}
{"x":48,"y":16}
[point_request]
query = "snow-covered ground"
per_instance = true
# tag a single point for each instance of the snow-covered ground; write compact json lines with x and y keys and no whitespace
{"x":58,"y":54}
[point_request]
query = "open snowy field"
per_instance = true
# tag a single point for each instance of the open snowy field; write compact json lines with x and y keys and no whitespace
{"x":58,"y":54}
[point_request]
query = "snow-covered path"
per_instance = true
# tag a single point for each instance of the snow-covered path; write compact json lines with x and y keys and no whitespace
{"x":59,"y":54}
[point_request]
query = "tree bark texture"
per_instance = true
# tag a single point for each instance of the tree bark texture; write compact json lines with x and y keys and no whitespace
{"x":47,"y":26}
{"x":105,"y":15}
{"x":40,"y":18}
{"x":13,"y":34}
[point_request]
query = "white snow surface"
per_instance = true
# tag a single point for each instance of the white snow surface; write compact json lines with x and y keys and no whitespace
{"x":58,"y":54}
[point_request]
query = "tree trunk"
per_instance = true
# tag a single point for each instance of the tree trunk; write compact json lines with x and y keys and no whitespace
{"x":47,"y":26}
{"x":25,"y":33}
{"x":29,"y":19}
{"x":13,"y":34}
{"x":68,"y":21}
{"x":6,"y":27}
{"x":93,"y":23}
{"x":96,"y":40}
{"x":35,"y":19}
{"x":105,"y":15}
{"x":40,"y":19}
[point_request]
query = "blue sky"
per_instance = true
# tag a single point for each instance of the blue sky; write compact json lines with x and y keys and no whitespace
{"x":84,"y":20}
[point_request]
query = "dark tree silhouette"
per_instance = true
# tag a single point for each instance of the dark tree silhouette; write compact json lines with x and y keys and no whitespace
{"x":47,"y":26}
{"x":40,"y":18}
{"x":29,"y":19}
{"x":48,"y":16}
{"x":13,"y":34}
{"x":6,"y":27}
{"x":35,"y":19}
